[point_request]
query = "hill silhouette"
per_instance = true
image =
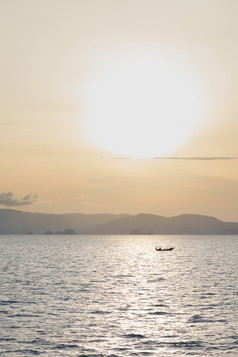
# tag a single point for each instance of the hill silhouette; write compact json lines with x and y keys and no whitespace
{"x":182,"y":224}
{"x":19,"y":222}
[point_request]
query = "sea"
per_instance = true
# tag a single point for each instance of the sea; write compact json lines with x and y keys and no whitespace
{"x":117,"y":296}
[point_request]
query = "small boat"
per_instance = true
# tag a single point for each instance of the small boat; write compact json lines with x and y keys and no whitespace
{"x":159,"y":249}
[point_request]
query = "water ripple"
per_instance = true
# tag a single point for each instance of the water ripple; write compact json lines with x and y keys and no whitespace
{"x":112,"y":296}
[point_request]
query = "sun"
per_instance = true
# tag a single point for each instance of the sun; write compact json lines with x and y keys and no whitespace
{"x":143,"y":107}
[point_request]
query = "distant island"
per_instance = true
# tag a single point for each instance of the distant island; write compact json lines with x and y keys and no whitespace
{"x":19,"y":222}
{"x":67,"y":231}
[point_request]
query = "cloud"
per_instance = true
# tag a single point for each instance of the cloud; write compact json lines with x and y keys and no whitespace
{"x":81,"y":88}
{"x":7,"y":123}
{"x":8,"y":199}
{"x":103,"y":181}
{"x":86,"y":200}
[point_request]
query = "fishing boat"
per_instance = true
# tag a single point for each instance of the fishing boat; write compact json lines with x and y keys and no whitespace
{"x":159,"y":249}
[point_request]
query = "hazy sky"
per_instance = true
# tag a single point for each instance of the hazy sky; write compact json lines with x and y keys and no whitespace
{"x":85,"y":82}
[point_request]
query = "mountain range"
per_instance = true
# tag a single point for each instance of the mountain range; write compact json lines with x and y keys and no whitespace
{"x":19,"y":222}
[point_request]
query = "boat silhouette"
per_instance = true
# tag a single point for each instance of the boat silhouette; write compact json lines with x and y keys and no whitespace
{"x":159,"y":249}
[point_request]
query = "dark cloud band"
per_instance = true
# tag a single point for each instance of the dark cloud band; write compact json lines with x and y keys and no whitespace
{"x":195,"y":158}
{"x":205,"y":158}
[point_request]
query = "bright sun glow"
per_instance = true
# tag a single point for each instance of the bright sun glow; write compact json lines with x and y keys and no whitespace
{"x":143,"y":107}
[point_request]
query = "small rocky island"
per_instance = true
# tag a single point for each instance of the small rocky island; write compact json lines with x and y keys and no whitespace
{"x":139,"y":232}
{"x":67,"y":231}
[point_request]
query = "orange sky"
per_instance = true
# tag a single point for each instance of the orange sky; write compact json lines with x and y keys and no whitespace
{"x":144,"y":63}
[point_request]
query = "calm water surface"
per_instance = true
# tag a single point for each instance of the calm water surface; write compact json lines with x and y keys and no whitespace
{"x":117,"y":296}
